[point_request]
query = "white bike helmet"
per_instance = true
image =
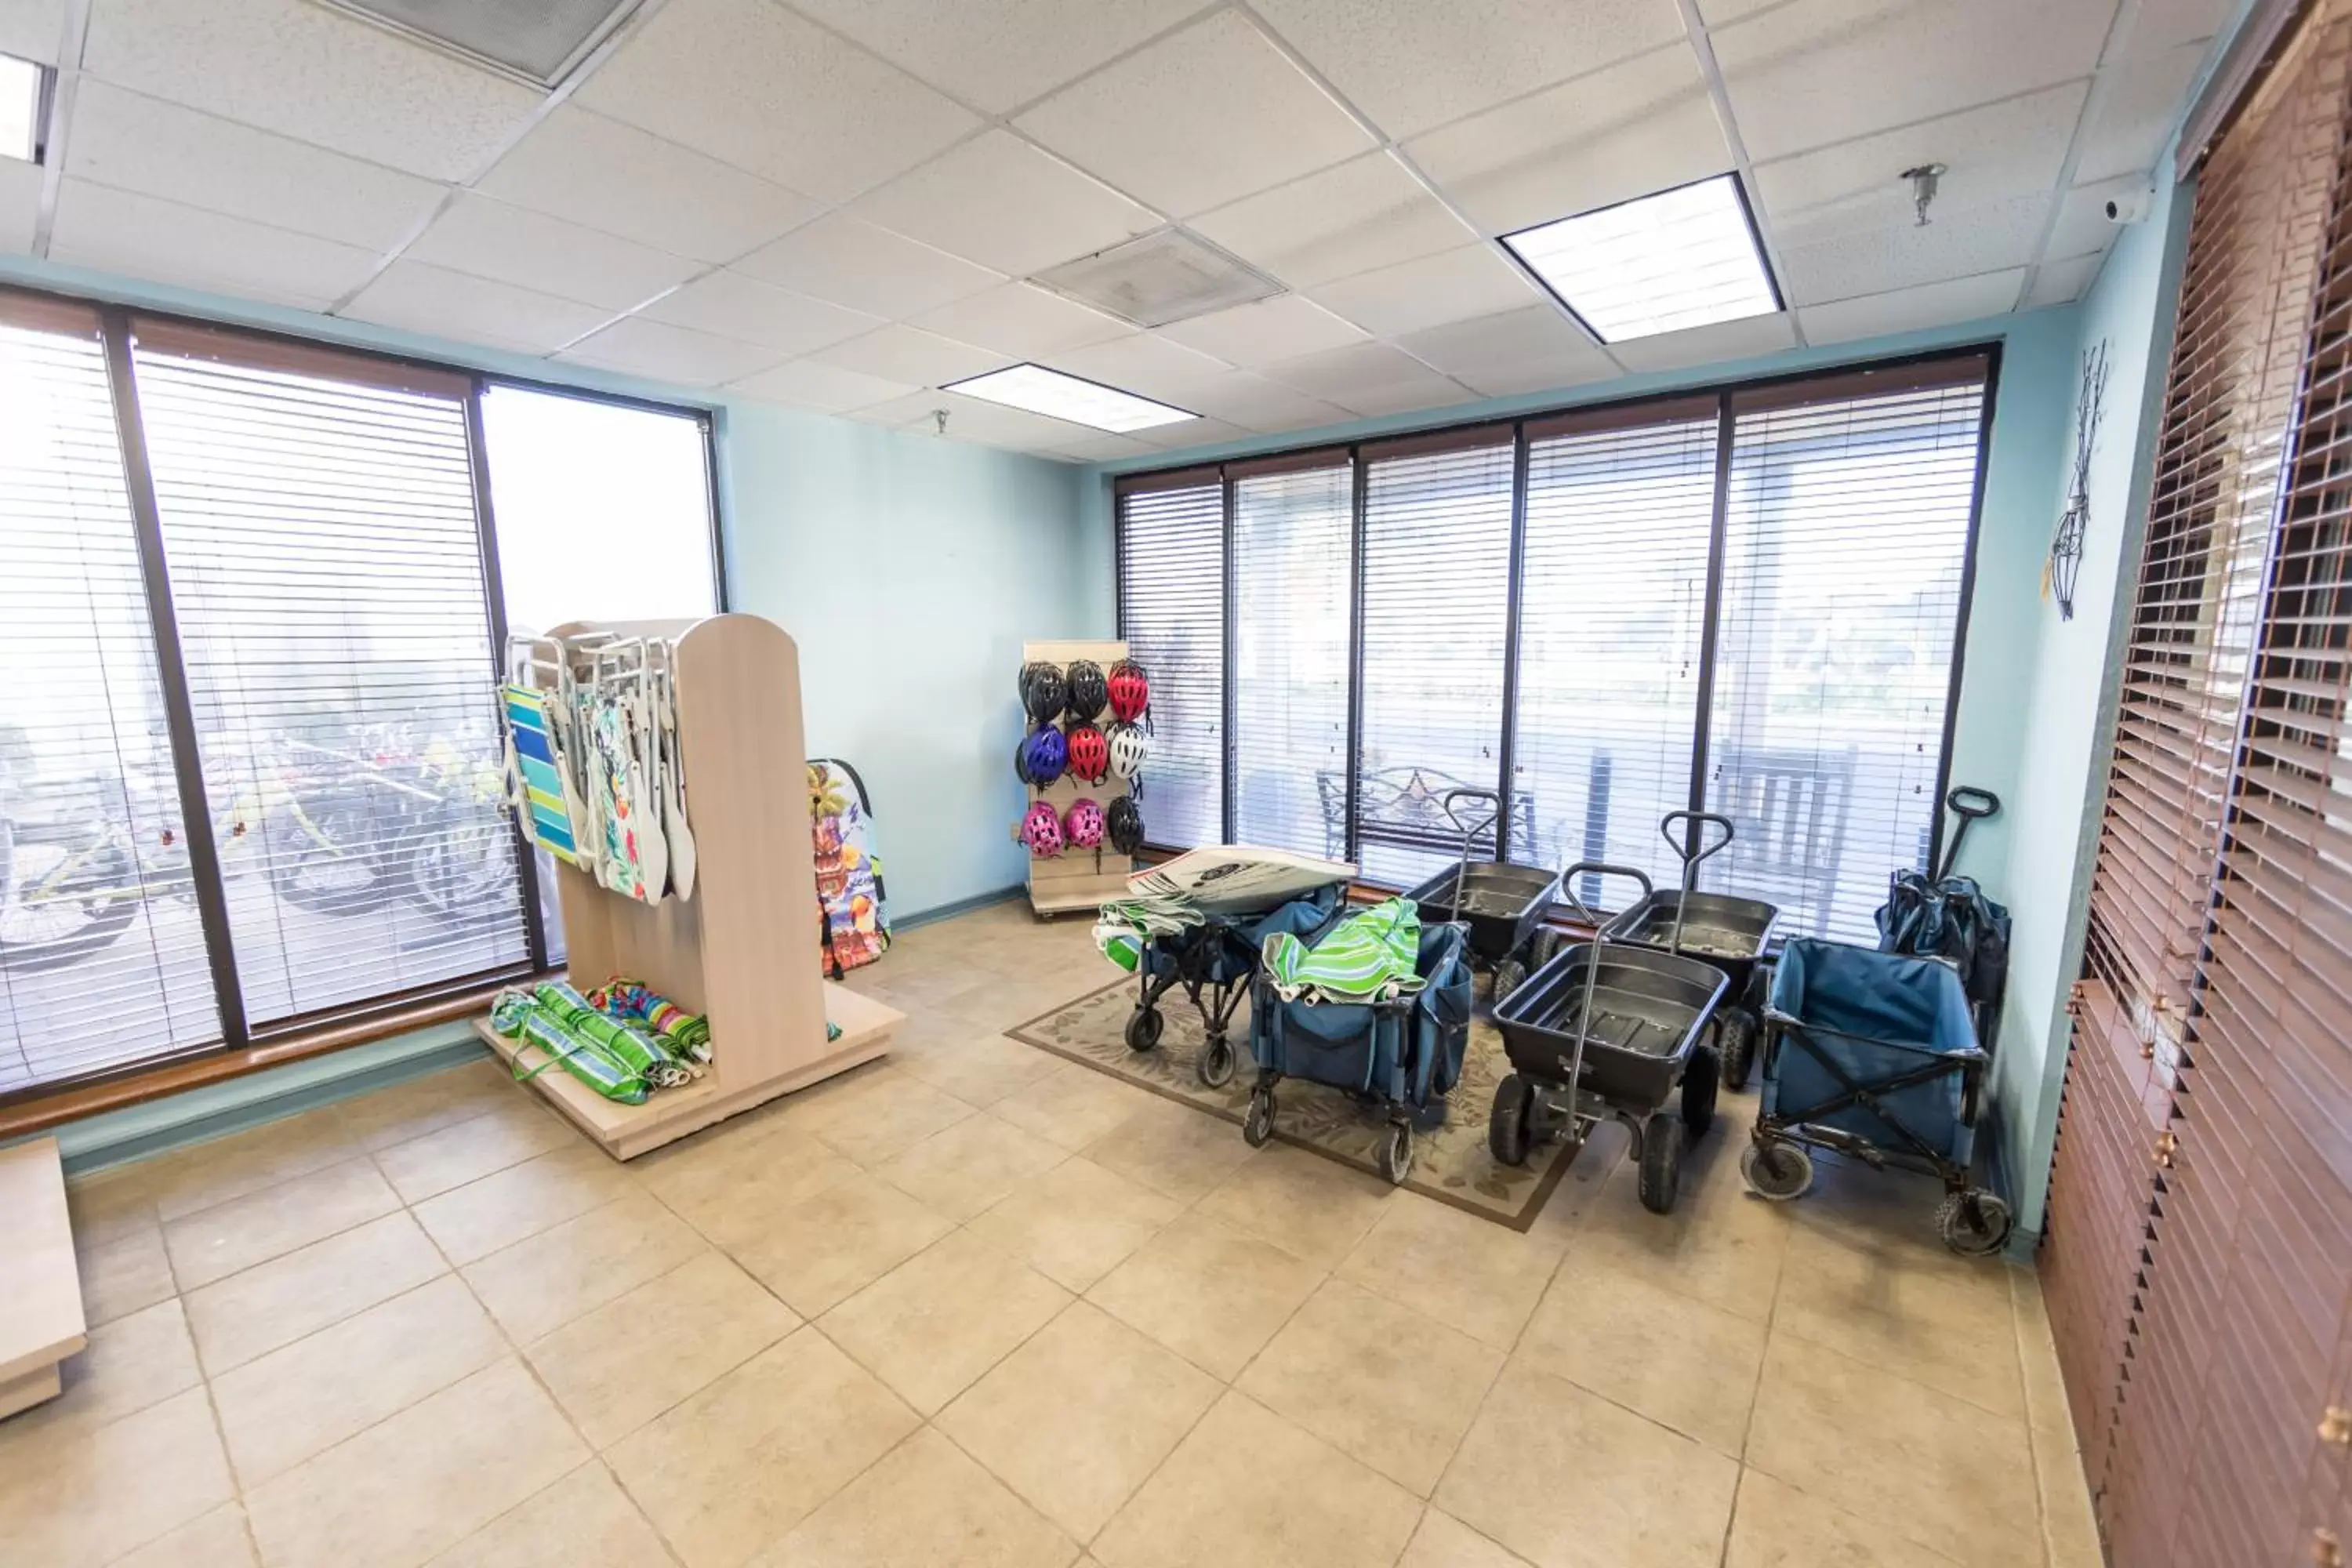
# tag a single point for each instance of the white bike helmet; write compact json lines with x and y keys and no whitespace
{"x":1128,"y":748}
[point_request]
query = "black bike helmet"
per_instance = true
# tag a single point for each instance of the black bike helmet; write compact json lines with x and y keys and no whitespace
{"x":1028,"y":673}
{"x":1125,"y":825}
{"x":1045,"y":693}
{"x":1089,"y":691}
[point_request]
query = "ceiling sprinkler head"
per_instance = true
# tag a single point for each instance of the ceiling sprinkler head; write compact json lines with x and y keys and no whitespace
{"x":1923,"y":180}
{"x":939,"y":421}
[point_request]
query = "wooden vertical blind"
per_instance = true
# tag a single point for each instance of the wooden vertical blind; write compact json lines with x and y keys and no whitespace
{"x":2199,"y":1260}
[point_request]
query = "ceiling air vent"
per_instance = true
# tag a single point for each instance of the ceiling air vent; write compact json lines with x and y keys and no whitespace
{"x":538,"y":41}
{"x":1168,"y":276}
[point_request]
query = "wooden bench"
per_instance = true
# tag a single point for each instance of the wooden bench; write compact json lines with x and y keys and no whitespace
{"x":43,"y":1323}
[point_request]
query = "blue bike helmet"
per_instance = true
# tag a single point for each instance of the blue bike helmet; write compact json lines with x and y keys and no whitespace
{"x":1044,"y":755}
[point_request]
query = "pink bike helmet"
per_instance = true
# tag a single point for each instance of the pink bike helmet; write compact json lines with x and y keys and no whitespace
{"x":1083,"y":824}
{"x":1042,"y":831}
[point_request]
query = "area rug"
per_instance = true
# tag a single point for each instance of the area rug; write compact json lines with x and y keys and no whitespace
{"x":1449,"y":1164}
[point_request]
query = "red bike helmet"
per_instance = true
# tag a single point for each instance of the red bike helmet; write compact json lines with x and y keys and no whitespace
{"x":1084,"y":823}
{"x":1041,"y":829}
{"x":1089,"y":754}
{"x":1131,"y":691}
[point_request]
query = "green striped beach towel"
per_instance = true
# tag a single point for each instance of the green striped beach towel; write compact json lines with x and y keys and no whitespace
{"x":1366,"y":957}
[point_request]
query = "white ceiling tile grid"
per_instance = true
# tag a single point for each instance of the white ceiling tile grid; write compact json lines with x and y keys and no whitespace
{"x":1202,"y":118}
{"x":837,"y":204}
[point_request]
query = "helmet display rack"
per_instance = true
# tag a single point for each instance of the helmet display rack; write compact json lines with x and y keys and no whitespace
{"x":742,"y":949}
{"x":1077,"y":878}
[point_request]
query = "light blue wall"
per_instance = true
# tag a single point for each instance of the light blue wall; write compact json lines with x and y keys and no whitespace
{"x":908,"y":570}
{"x":2064,"y":727}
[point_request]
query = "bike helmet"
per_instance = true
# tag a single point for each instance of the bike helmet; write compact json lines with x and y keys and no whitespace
{"x":1088,"y":691}
{"x":1083,"y":824}
{"x":1044,"y":692}
{"x":1044,"y":755}
{"x":1021,"y":759}
{"x":1125,"y":825}
{"x":1130,"y":690}
{"x":1129,"y":747}
{"x":1041,"y":829}
{"x":1089,"y":754}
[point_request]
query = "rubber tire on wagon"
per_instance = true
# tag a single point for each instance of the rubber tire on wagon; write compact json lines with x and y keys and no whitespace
{"x":1506,"y":1123}
{"x":1978,"y":1235}
{"x":1143,"y":1026}
{"x":1661,"y":1162}
{"x":1257,"y":1126}
{"x":1509,"y":975}
{"x":1699,"y":1081}
{"x":1396,"y":1153}
{"x":1777,"y":1171}
{"x":1740,"y":1030}
{"x":1214,"y":1066}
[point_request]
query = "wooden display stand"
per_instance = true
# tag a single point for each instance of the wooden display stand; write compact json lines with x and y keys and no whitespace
{"x":42,"y":1323}
{"x":743,"y":950}
{"x":1076,"y":878}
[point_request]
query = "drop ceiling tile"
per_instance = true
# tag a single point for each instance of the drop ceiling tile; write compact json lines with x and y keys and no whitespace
{"x":1910,"y":309}
{"x":1146,"y":364}
{"x":2146,"y":97}
{"x":1713,"y":345}
{"x":1277,"y":328}
{"x":531,"y":250}
{"x":997,"y":55}
{"x":2010,"y":149}
{"x":663,"y":352}
{"x":908,"y":354}
{"x":20,"y":204}
{"x":1105,"y":449}
{"x":1716,"y":12}
{"x":165,"y":242}
{"x":1334,"y":373}
{"x":1191,"y":433}
{"x":421,"y":299}
{"x":1816,"y":71}
{"x":1411,"y":67}
{"x":1259,"y":405}
{"x":2161,"y":24}
{"x":158,"y":149}
{"x":303,"y":71}
{"x":753,"y":85}
{"x":999,"y":201}
{"x":974,"y":420}
{"x":1515,"y":350}
{"x":1021,"y":319}
{"x":1408,"y":396}
{"x":730,"y":305}
{"x":580,"y":166}
{"x":1827,"y":260}
{"x":865,"y":269}
{"x":1644,"y":125}
{"x":2057,"y":282}
{"x":32,"y":29}
{"x":1452,"y":286}
{"x":828,"y":388}
{"x":1366,"y":213}
{"x":1200,"y":119}
{"x":2083,"y":227}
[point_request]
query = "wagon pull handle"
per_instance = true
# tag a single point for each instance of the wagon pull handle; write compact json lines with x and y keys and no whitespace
{"x":1971,"y":805}
{"x":1469,"y":832}
{"x":1592,"y":961}
{"x":1692,"y":848}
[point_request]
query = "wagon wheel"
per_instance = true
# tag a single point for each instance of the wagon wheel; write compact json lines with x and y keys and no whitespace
{"x":1509,"y":975}
{"x":1974,"y":1224}
{"x":1214,"y":1066}
{"x":1779,"y":1171}
{"x":1143,"y":1026}
{"x":1396,"y":1153}
{"x":1661,"y":1162}
{"x":1544,"y":947}
{"x":1740,"y":1033}
{"x":1506,"y":1123}
{"x":1258,"y":1125}
{"x":1699,"y":1081}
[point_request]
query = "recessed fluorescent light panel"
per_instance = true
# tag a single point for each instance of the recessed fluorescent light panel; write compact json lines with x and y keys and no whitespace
{"x":1049,"y":392}
{"x":21,"y":82}
{"x":539,"y":42}
{"x":1684,"y":258}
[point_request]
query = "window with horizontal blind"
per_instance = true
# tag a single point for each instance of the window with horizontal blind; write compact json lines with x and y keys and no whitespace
{"x":1437,"y":587}
{"x":319,"y":516}
{"x":102,"y":957}
{"x":1171,"y":595}
{"x":1845,"y":553}
{"x":1293,"y":557}
{"x":1612,"y":622}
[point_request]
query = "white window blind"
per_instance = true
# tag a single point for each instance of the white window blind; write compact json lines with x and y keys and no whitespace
{"x":1847,"y":544}
{"x":1171,"y":612}
{"x":1292,"y":560}
{"x":1437,"y":546}
{"x":1612,"y":615}
{"x":319,"y":519}
{"x":101,"y":952}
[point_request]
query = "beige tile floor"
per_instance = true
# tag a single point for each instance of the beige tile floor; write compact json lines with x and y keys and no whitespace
{"x":978,"y":1305}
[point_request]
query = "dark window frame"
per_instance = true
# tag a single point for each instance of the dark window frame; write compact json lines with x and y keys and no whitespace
{"x":237,"y":1037}
{"x":1848,"y":378}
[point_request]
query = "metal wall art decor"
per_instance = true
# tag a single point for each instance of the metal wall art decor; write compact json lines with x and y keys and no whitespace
{"x":2065,"y":563}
